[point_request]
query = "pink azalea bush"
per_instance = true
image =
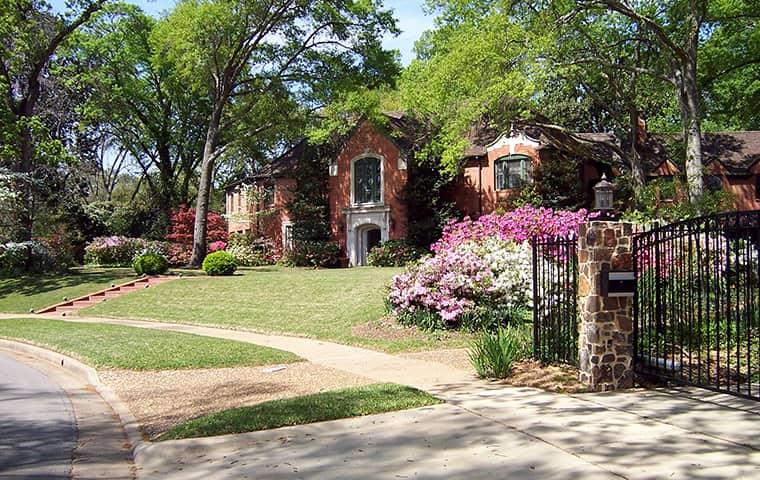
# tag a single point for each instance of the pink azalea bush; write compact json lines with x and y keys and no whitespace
{"x":478,"y":266}
{"x":216,"y":246}
{"x":118,"y":250}
{"x":519,"y":226}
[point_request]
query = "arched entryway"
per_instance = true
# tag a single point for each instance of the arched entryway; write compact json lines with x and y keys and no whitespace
{"x":368,"y":237}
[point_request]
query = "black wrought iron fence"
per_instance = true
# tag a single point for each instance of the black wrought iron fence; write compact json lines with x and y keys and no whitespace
{"x":555,"y":304}
{"x":697,"y":306}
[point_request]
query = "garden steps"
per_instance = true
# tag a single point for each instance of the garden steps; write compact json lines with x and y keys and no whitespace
{"x":69,"y":306}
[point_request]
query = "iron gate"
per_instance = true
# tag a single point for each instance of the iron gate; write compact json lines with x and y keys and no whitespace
{"x":555,"y":303}
{"x":697,"y":303}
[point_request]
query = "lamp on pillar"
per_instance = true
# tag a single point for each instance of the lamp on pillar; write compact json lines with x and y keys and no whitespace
{"x":603,"y":196}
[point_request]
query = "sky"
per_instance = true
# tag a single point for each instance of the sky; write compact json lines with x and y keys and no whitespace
{"x":412,"y":21}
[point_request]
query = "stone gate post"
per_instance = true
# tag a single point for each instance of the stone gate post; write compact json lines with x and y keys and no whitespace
{"x":605,"y":339}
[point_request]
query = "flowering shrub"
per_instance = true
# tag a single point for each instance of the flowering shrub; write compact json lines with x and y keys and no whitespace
{"x":519,"y":225}
{"x":120,"y":251}
{"x":25,"y":257}
{"x":393,"y":253}
{"x":216,"y":246}
{"x":481,"y":273}
{"x":179,"y":254}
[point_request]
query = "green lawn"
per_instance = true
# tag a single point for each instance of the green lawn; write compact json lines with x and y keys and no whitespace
{"x":322,"y":304}
{"x":345,"y":403}
{"x":115,"y":346}
{"x":18,"y":295}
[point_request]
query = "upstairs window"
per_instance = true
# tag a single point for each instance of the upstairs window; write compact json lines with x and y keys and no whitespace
{"x":512,"y":172}
{"x":367,"y":180}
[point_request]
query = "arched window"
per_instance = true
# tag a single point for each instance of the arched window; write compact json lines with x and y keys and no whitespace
{"x":512,"y":172}
{"x":367,"y":180}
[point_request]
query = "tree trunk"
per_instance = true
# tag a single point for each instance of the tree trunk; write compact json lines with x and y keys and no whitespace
{"x":204,"y":188}
{"x":637,"y":172}
{"x":692,"y":134}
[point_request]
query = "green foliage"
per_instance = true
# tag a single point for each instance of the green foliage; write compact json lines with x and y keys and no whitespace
{"x":307,"y":207}
{"x":667,"y":200}
{"x":491,"y":316}
{"x":393,"y":253}
{"x":422,"y":318}
{"x":307,"y":253}
{"x":116,"y":346}
{"x":219,"y":263}
{"x":427,"y":211}
{"x":493,"y":354}
{"x":150,"y":263}
{"x":319,"y":407}
{"x":467,"y":70}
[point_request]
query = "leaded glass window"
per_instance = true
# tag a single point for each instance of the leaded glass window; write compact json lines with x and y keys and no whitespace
{"x":512,"y":172}
{"x":367,"y":182}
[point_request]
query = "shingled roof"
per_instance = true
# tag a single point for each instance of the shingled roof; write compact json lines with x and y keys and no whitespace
{"x":736,"y":151}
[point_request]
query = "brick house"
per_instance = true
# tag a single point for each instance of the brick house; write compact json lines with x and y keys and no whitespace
{"x":369,"y":173}
{"x":731,"y":160}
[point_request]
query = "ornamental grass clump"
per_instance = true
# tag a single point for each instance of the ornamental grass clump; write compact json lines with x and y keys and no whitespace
{"x":493,"y":354}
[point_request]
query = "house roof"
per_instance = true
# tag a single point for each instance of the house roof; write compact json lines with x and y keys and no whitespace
{"x":736,"y":151}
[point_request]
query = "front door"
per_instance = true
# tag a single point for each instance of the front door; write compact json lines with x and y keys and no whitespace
{"x":369,"y":238}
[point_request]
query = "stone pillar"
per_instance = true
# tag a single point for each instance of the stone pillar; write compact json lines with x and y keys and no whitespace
{"x":605,"y":327}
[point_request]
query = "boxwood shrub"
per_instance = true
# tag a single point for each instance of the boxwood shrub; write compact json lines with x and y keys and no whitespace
{"x":219,"y":263}
{"x":150,"y":263}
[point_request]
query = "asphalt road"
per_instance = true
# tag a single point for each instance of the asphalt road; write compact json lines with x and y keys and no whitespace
{"x":37,"y":427}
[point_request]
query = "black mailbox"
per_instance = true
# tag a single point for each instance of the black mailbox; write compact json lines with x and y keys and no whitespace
{"x":618,"y":283}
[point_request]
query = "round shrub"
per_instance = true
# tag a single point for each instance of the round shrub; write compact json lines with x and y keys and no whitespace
{"x":219,"y":263}
{"x":150,"y":263}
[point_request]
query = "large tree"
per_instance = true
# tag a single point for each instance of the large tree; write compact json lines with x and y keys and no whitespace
{"x":30,"y":35}
{"x":253,"y":56}
{"x":140,"y":104}
{"x":606,"y":61}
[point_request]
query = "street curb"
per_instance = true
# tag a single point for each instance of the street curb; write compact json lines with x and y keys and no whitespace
{"x":90,"y":375}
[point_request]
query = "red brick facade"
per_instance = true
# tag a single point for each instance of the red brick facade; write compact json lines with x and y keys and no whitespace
{"x":349,"y":219}
{"x":357,"y":222}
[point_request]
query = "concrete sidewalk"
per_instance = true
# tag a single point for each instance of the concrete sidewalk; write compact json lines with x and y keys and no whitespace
{"x":486,"y":430}
{"x":490,"y":432}
{"x":378,"y":366}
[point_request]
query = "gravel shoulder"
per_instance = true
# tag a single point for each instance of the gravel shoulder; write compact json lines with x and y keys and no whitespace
{"x":162,"y":399}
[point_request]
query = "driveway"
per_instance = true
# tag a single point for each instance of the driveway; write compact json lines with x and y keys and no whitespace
{"x":493,"y":432}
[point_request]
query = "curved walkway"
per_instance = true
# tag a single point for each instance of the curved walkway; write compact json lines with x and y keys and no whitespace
{"x":485,"y":430}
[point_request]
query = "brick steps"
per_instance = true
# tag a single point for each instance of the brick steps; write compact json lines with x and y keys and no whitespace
{"x":69,"y":306}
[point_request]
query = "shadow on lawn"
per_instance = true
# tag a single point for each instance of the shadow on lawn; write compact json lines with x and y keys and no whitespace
{"x":35,"y":284}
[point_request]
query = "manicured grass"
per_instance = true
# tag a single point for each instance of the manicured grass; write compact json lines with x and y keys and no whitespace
{"x":115,"y":346}
{"x":18,"y":295}
{"x":344,"y":403}
{"x":324,"y":304}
